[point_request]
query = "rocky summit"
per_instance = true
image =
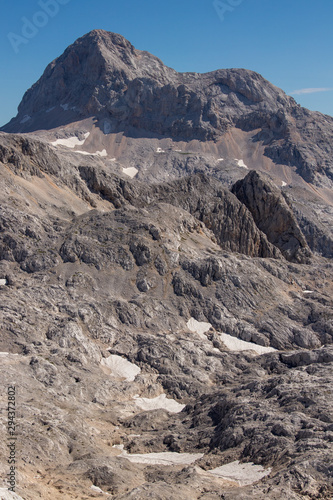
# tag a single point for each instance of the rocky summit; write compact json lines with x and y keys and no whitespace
{"x":166,"y":284}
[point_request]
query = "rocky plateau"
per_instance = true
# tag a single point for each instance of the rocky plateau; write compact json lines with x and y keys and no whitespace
{"x":165,"y":284}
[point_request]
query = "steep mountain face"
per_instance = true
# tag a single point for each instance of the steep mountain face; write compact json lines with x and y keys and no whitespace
{"x":170,"y":334}
{"x":102,"y":75}
{"x":272,"y":215}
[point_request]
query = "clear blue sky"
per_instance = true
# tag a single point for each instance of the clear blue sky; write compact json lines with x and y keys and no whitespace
{"x":289,"y":42}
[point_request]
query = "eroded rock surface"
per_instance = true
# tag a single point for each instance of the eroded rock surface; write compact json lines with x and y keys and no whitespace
{"x":192,"y":289}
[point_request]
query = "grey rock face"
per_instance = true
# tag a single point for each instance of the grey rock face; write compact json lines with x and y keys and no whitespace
{"x":272,"y":215}
{"x":205,"y":198}
{"x":103,"y":75}
{"x":27,"y":157}
{"x":125,"y":283}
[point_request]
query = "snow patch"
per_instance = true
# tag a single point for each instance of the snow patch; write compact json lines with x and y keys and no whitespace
{"x":232,"y":343}
{"x":96,"y":488}
{"x":160,"y":402}
{"x":64,"y":106}
{"x":70,"y":142}
{"x":98,"y":153}
{"x":118,"y":446}
{"x":50,"y":109}
{"x":304,"y":291}
{"x":283,"y":184}
{"x":130,"y":171}
{"x":199,"y":327}
{"x":121,"y":367}
{"x":235,"y":344}
{"x":220,"y":159}
{"x":3,"y":282}
{"x":160,"y":150}
{"x":164,"y":458}
{"x":178,"y":150}
{"x":25,"y":119}
{"x":5,"y":494}
{"x":241,"y":163}
{"x":243,"y":474}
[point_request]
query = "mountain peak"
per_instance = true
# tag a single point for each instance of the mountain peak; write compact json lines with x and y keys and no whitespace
{"x":102,"y":75}
{"x":99,"y":39}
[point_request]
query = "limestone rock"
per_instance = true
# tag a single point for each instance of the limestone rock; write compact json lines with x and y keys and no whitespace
{"x":103,"y":75}
{"x":167,"y":285}
{"x":272,"y":215}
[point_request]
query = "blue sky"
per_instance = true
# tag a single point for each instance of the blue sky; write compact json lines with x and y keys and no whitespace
{"x":289,"y":42}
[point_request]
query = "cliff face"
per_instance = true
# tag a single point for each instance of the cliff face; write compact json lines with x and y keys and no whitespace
{"x":104,"y":76}
{"x":272,"y":215}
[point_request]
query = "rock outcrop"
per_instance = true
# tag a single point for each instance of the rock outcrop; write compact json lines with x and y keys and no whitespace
{"x":272,"y":215}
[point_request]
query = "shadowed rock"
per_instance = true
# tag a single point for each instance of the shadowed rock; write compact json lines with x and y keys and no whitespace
{"x":272,"y":215}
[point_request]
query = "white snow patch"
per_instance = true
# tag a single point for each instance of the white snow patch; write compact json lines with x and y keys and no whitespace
{"x":130,"y":171}
{"x":3,"y":282}
{"x":160,"y":150}
{"x":232,"y":343}
{"x":307,"y":291}
{"x":101,"y":153}
{"x":5,"y":494}
{"x":283,"y":184}
{"x":121,"y":367}
{"x":241,"y":163}
{"x":164,"y":458}
{"x":50,"y":109}
{"x":199,"y":327}
{"x":113,"y":159}
{"x":25,"y":119}
{"x":118,"y":446}
{"x":235,"y":344}
{"x":178,"y":150}
{"x":220,"y":159}
{"x":244,"y":474}
{"x":160,"y":402}
{"x":70,"y":142}
{"x":64,"y":106}
{"x":98,"y":153}
{"x":96,"y":488}
{"x":7,"y":354}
